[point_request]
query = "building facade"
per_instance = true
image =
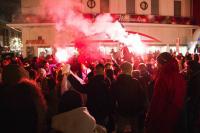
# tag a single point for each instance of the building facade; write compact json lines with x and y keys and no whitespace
{"x":168,"y":22}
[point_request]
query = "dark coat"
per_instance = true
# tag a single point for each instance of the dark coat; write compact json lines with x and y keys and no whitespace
{"x":128,"y":95}
{"x":98,"y":95}
{"x":194,"y":102}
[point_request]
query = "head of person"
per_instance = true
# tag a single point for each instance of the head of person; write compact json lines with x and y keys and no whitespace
{"x":22,"y":108}
{"x":46,"y":65}
{"x":110,"y":73}
{"x":179,"y":56}
{"x":13,"y":73}
{"x":70,"y":100}
{"x":196,"y":57}
{"x":42,"y":73}
{"x":136,"y":74}
{"x":16,"y":60}
{"x":33,"y":74}
{"x":188,"y":57}
{"x":99,"y":69}
{"x":126,"y":68}
{"x":108,"y":66}
{"x":66,"y":69}
{"x":167,"y":63}
{"x":192,"y":67}
{"x":142,"y":68}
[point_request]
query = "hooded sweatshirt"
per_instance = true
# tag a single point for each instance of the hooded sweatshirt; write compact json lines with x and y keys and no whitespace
{"x":75,"y":121}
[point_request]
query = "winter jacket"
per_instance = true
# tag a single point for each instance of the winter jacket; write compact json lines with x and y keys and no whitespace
{"x":75,"y":121}
{"x":98,"y":95}
{"x":128,"y":95}
{"x":194,"y":103}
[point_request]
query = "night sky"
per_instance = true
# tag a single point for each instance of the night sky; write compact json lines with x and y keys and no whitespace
{"x":8,"y":8}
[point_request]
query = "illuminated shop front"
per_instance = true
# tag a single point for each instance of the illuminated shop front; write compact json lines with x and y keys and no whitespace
{"x":160,"y":25}
{"x":40,"y":38}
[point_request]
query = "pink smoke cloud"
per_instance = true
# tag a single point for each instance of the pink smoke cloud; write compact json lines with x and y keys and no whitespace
{"x":71,"y":25}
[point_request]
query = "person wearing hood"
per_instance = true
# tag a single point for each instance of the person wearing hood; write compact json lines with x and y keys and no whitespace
{"x":168,"y":98}
{"x":73,"y":117}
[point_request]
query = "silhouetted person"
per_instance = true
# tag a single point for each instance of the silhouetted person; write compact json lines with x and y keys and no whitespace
{"x":168,"y":97}
{"x":130,"y":100}
{"x":22,"y":108}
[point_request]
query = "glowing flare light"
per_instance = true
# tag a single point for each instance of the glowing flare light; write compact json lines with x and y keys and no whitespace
{"x":136,"y":45}
{"x":62,"y":55}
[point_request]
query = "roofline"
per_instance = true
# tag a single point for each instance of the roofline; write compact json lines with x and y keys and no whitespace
{"x":19,"y":25}
{"x":162,"y":25}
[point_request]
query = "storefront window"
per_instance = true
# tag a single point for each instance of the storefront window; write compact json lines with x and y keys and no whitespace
{"x":44,"y":51}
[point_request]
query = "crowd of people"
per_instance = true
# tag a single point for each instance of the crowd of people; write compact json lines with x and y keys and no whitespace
{"x":156,"y":93}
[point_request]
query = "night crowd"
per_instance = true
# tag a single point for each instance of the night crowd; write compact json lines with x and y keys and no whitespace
{"x":156,"y":93}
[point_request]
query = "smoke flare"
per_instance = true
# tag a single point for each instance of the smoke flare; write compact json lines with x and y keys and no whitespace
{"x":71,"y":25}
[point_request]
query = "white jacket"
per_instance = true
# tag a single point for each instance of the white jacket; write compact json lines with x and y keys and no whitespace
{"x":76,"y":121}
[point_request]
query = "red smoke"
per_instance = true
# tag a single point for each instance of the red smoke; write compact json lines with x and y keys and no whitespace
{"x":88,"y":52}
{"x":71,"y":24}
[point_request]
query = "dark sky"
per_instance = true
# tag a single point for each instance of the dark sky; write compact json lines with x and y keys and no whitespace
{"x":7,"y":8}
